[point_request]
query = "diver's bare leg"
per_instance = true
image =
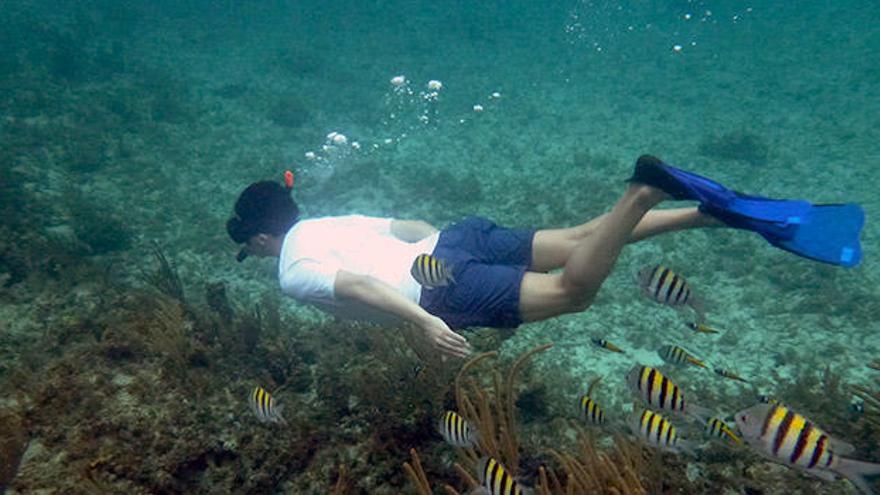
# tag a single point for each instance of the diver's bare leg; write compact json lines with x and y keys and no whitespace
{"x":595,"y":255}
{"x":545,"y":295}
{"x":551,"y":248}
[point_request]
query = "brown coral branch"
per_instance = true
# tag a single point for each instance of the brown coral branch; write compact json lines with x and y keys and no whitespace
{"x":508,"y":420}
{"x":13,"y":442}
{"x":465,"y":368}
{"x":594,"y":471}
{"x":417,"y":473}
{"x":343,"y":484}
{"x":466,"y":476}
{"x":872,"y":404}
{"x":493,"y":412}
{"x":165,"y":278}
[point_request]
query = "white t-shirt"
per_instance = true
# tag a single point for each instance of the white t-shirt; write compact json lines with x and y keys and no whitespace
{"x":314,"y":250}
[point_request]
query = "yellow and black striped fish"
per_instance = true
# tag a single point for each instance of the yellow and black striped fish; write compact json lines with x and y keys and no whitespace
{"x":657,"y":430}
{"x":674,"y":354}
{"x":717,"y":428}
{"x":456,"y":430}
{"x":701,"y":328}
{"x":591,"y":410}
{"x":430,"y":272}
{"x":729,"y":374}
{"x":661,"y":284}
{"x":655,"y":389}
{"x":496,"y":480}
{"x":264,"y":406}
{"x":607,"y":345}
{"x":789,"y":438}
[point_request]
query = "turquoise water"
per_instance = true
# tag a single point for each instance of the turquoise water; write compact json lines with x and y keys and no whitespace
{"x":127,"y":126}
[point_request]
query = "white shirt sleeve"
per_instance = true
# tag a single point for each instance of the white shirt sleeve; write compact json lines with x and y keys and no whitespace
{"x":309,"y":280}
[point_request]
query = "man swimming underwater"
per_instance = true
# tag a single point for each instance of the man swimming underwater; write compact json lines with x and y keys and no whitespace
{"x":360,"y":267}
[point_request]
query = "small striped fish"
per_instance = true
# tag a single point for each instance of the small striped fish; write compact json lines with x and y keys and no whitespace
{"x":674,"y":354}
{"x":456,"y":430}
{"x":495,"y":480}
{"x":767,"y":399}
{"x":430,"y":272}
{"x":264,"y":406}
{"x":701,"y":328}
{"x":785,"y":436}
{"x":717,"y":428}
{"x":655,"y":389}
{"x":657,"y":431}
{"x":607,"y":345}
{"x":661,"y":284}
{"x":729,"y":374}
{"x":591,"y":411}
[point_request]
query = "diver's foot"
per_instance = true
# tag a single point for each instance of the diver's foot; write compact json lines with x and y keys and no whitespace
{"x":646,"y":196}
{"x":649,"y":171}
{"x":706,"y":219}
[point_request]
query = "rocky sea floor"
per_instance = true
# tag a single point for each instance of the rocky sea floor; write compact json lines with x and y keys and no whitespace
{"x":130,"y":339}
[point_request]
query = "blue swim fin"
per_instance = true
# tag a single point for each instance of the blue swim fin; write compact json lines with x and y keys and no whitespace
{"x":827,"y":233}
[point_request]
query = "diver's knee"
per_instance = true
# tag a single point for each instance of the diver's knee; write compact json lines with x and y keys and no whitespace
{"x":579,"y":305}
{"x":578,"y":299}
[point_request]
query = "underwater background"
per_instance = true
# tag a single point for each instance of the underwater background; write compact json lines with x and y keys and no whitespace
{"x":130,"y":339}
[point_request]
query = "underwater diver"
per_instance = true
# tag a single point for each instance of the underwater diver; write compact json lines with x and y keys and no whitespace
{"x":362,"y":267}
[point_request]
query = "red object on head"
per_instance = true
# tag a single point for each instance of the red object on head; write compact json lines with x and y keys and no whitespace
{"x":288,"y":179}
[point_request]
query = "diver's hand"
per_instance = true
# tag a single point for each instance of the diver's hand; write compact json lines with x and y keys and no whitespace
{"x":443,"y":339}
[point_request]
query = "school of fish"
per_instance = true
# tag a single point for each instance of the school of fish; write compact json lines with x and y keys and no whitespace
{"x":770,"y":428}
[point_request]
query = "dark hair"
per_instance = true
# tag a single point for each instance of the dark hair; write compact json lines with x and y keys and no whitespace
{"x":264,"y":207}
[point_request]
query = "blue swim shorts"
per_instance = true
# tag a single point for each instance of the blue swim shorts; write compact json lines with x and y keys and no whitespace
{"x":488,"y":263}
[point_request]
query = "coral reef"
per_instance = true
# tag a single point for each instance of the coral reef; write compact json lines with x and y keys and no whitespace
{"x":146,"y":378}
{"x":867,"y":428}
{"x":628,"y":469}
{"x":164,"y":278}
{"x":13,"y":441}
{"x":215,"y":297}
{"x":103,"y":233}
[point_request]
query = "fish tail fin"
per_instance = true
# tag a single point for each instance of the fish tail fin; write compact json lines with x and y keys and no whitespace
{"x":696,"y":362}
{"x":699,"y":413}
{"x":858,"y":472}
{"x":733,"y":437}
{"x":481,"y":468}
{"x":474,"y":440}
{"x":277,"y":413}
{"x":699,"y":306}
{"x":842,"y":448}
{"x":686,"y":447}
{"x":592,"y":385}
